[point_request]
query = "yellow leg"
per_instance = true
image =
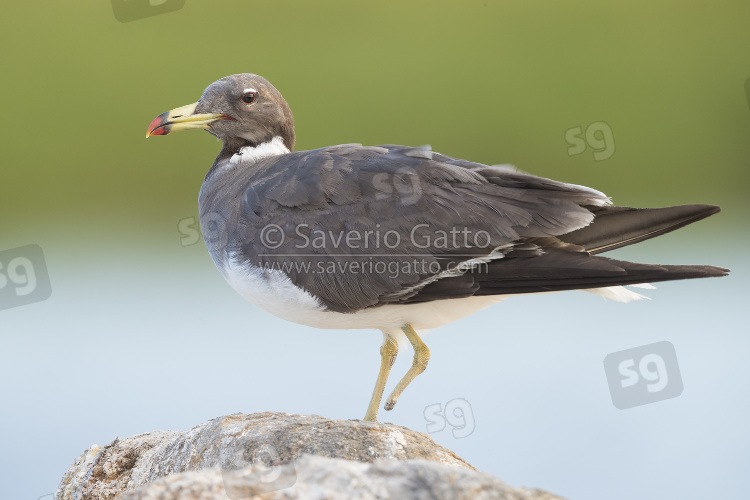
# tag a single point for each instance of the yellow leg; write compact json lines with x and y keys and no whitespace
{"x":388,"y":352}
{"x":421,"y":357}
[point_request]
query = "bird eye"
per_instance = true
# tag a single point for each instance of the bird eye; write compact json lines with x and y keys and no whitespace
{"x":249,"y":97}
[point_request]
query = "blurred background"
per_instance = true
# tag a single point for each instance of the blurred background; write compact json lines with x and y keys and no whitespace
{"x":645,"y":102}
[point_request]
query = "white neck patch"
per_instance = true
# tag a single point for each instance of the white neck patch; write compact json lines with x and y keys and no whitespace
{"x":247,"y":154}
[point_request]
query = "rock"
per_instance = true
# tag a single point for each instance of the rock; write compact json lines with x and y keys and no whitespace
{"x":281,"y":456}
{"x":331,"y":478}
{"x":109,"y":469}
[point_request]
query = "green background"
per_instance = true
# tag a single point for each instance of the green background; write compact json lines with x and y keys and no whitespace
{"x":494,"y":82}
{"x":142,"y":333}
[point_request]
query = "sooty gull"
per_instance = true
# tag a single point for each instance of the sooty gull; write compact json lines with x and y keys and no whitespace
{"x":400,"y":239}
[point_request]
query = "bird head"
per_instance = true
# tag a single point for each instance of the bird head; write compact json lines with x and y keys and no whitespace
{"x":241,"y":110}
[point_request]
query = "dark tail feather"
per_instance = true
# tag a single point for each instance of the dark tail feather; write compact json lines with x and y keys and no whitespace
{"x":547,"y":265}
{"x":616,"y":227}
{"x":558,"y":270}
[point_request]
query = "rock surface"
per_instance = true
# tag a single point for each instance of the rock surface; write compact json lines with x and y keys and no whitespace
{"x":330,"y":478}
{"x":280,"y":456}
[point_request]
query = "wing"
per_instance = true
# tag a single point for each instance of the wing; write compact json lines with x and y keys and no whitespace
{"x":364,"y":226}
{"x":549,"y":265}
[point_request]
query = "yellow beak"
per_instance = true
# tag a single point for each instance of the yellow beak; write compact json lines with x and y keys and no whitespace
{"x":183,"y":118}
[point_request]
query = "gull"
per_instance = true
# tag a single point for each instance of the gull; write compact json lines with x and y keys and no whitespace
{"x":396,"y":238}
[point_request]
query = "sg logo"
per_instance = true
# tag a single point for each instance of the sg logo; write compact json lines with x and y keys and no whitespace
{"x":457,"y":413}
{"x":23,"y":277}
{"x":643,"y":375}
{"x":598,"y":137}
{"x":404,"y":184}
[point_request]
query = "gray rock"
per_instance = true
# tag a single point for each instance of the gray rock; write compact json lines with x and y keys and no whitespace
{"x":281,"y":456}
{"x":321,"y":478}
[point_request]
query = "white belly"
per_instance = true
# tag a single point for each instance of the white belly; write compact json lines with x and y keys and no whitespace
{"x":273,"y":291}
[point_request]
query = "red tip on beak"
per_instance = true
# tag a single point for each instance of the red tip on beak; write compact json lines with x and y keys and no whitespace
{"x":158,"y":125}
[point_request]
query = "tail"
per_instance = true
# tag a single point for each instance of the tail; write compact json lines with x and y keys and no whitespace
{"x":616,"y":227}
{"x":613,"y":227}
{"x":569,"y":261}
{"x":558,"y":269}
